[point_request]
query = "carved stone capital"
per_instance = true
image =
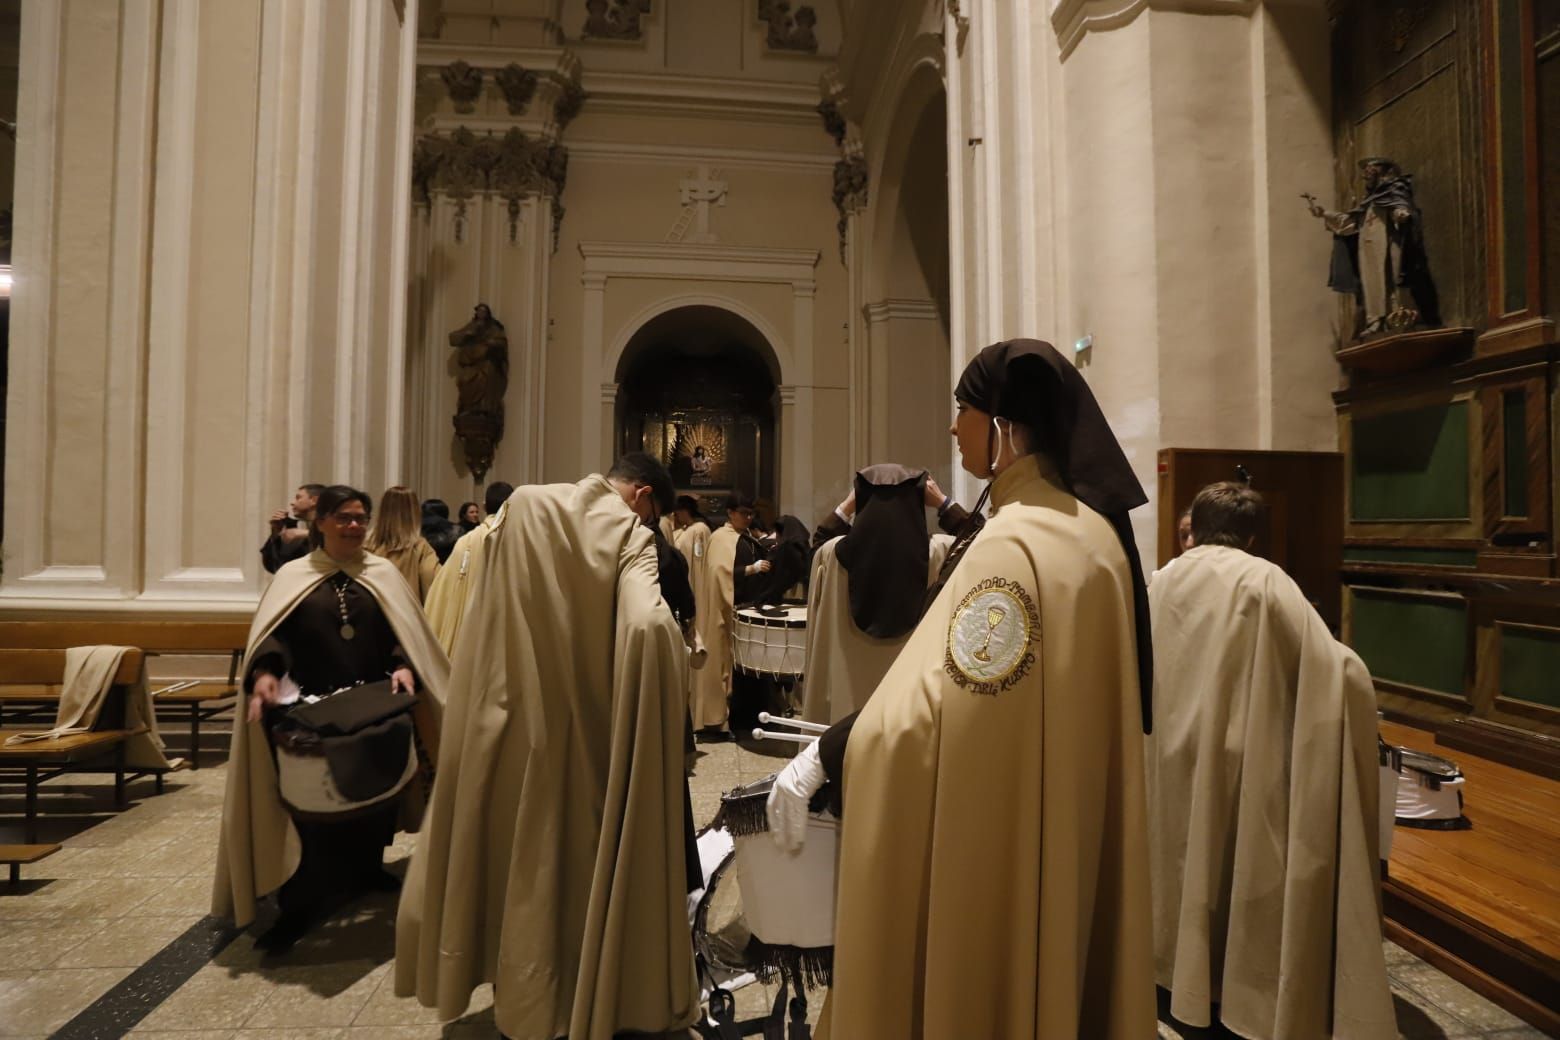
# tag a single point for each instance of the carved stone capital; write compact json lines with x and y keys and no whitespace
{"x":464,"y":84}
{"x":518,"y":85}
{"x":461,"y":165}
{"x":614,"y":19}
{"x":789,"y":30}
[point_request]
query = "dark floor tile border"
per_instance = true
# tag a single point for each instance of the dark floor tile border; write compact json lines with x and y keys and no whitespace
{"x":119,"y":1010}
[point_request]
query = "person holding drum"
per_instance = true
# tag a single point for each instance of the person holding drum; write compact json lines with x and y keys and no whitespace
{"x":335,"y":619}
{"x":993,"y":871}
{"x":1263,"y":780}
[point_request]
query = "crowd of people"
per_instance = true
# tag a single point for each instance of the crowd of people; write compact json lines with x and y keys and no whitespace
{"x":1057,"y":787}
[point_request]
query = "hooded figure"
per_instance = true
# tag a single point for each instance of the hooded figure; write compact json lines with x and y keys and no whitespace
{"x":867,"y":590}
{"x":552,"y":863}
{"x":993,"y":875}
{"x":1262,"y":785}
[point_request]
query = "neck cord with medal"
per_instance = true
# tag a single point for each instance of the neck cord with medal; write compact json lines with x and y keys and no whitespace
{"x":347,"y":631}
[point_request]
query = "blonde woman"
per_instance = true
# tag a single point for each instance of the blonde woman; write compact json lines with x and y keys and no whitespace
{"x":397,"y":536}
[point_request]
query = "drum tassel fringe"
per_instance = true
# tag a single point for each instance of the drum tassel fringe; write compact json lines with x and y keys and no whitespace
{"x":811,"y":967}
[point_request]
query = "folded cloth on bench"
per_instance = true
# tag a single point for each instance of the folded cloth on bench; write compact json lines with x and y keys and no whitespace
{"x":89,"y":676}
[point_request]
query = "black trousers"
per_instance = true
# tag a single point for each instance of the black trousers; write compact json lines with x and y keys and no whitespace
{"x":340,"y":861}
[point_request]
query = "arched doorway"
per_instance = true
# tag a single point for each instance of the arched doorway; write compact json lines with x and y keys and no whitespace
{"x":697,"y":390}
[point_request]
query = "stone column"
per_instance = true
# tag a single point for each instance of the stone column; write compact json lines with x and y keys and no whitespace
{"x":203,"y":314}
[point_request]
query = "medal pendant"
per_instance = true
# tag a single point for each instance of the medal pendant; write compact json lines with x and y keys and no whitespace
{"x":347,"y":631}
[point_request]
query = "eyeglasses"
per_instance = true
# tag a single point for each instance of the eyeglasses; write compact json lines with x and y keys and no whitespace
{"x":352,"y":519}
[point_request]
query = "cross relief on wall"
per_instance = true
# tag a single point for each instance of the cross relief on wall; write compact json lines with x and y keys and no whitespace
{"x":697,"y":194}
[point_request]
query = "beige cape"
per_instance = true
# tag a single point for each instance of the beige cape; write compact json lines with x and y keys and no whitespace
{"x":993,"y":877}
{"x":844,"y":664}
{"x":552,"y":861}
{"x":258,"y":848}
{"x":1262,"y":779}
{"x":713,"y":594}
{"x":451,"y":591}
{"x":89,"y":676}
{"x":418,"y":564}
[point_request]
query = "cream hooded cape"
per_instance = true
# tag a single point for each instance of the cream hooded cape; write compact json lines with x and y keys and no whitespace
{"x":713,"y":593}
{"x":258,"y":848}
{"x":993,"y":877}
{"x":1262,"y":779}
{"x":844,"y":664}
{"x":88,"y":679}
{"x":552,"y":861}
{"x":451,"y":591}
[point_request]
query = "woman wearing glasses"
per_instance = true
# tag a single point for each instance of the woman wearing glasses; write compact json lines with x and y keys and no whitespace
{"x":337,"y":618}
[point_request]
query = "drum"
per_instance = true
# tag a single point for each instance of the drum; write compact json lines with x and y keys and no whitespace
{"x":1429,"y":792}
{"x":787,"y":900}
{"x":771,"y":641}
{"x":341,"y":755}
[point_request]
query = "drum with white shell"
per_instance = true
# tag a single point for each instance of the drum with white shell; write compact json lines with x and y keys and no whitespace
{"x":771,"y":641}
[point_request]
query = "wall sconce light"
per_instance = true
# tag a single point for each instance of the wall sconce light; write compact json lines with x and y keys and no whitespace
{"x":1083,"y":349}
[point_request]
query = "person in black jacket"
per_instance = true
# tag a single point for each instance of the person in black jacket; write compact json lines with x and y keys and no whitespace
{"x":289,"y":538}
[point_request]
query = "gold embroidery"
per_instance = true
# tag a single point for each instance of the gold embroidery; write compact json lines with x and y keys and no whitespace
{"x":990,"y":637}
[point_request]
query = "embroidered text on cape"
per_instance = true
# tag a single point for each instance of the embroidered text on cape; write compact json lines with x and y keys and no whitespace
{"x":990,"y":637}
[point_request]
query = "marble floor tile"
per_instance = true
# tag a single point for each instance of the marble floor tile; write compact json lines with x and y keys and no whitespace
{"x":48,"y":999}
{"x":29,"y":945}
{"x":126,"y":942}
{"x":214,"y":998}
{"x":1459,"y":1000}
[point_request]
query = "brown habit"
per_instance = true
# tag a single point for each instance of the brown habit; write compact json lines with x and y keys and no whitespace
{"x":258,"y":848}
{"x":1262,"y":779}
{"x":993,"y":860}
{"x":552,"y":861}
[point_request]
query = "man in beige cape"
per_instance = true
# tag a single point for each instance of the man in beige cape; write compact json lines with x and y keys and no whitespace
{"x":446,"y":603}
{"x":259,"y":848}
{"x":552,"y":862}
{"x":713,"y":591}
{"x":1262,"y":779}
{"x":867,"y":589}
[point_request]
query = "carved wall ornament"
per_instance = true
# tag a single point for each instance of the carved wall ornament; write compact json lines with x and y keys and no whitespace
{"x":614,"y":19}
{"x":464,"y":84}
{"x":462,"y":165}
{"x":481,"y":378}
{"x":833,"y":121}
{"x":570,"y":100}
{"x":518,"y":85}
{"x":850,"y":192}
{"x":1404,"y":20}
{"x":789,"y":31}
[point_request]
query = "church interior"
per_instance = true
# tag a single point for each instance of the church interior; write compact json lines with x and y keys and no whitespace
{"x":254,"y":245}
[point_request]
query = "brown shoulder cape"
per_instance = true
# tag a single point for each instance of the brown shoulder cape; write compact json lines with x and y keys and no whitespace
{"x":844,"y":664}
{"x":1262,"y":779}
{"x":552,"y":861}
{"x":258,"y":848}
{"x":993,"y":877}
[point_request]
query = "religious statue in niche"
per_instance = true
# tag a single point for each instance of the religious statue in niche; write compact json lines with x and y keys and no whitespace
{"x":701,"y":446}
{"x":481,"y":377}
{"x":614,"y":19}
{"x":789,"y":31}
{"x":1379,"y":252}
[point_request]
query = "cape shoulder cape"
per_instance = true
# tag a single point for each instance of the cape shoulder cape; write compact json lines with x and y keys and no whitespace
{"x":451,"y":591}
{"x":993,"y":877}
{"x":552,"y":860}
{"x":258,"y":848}
{"x":714,"y":593}
{"x":844,"y":664}
{"x":1263,"y":783}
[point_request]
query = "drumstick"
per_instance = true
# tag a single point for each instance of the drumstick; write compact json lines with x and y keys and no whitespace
{"x":805,"y":727}
{"x":792,"y":738}
{"x":176,"y":687}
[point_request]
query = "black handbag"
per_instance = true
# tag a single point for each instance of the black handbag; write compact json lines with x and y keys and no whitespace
{"x":346,"y":752}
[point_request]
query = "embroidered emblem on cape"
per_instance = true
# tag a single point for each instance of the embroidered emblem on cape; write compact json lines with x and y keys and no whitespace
{"x":990,"y":637}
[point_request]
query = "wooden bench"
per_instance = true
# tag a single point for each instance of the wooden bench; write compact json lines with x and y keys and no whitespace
{"x":101,"y":749}
{"x":194,"y":704}
{"x":16,"y":856}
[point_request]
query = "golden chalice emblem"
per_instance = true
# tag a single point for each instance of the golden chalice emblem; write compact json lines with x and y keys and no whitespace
{"x":994,"y":616}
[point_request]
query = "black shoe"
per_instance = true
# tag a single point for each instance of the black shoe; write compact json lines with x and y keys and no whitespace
{"x":285,"y":933}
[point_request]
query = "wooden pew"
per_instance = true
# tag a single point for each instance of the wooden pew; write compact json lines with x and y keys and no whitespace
{"x":15,"y":856}
{"x":100,"y":749}
{"x":193,"y":705}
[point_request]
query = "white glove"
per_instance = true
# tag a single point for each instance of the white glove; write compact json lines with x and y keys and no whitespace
{"x":793,"y":789}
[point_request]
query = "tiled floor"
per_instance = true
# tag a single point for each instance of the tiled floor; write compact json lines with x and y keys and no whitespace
{"x":128,"y":884}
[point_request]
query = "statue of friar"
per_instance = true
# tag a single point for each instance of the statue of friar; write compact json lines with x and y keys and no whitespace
{"x":1379,"y":252}
{"x":482,"y":376}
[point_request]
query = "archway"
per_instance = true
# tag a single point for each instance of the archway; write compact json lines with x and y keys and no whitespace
{"x":697,"y":389}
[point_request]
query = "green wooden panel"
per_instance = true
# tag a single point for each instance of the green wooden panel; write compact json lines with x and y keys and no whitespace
{"x":1530,"y":665}
{"x":1513,"y":413}
{"x":1411,"y":465}
{"x":1394,"y":554}
{"x":1420,"y":642}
